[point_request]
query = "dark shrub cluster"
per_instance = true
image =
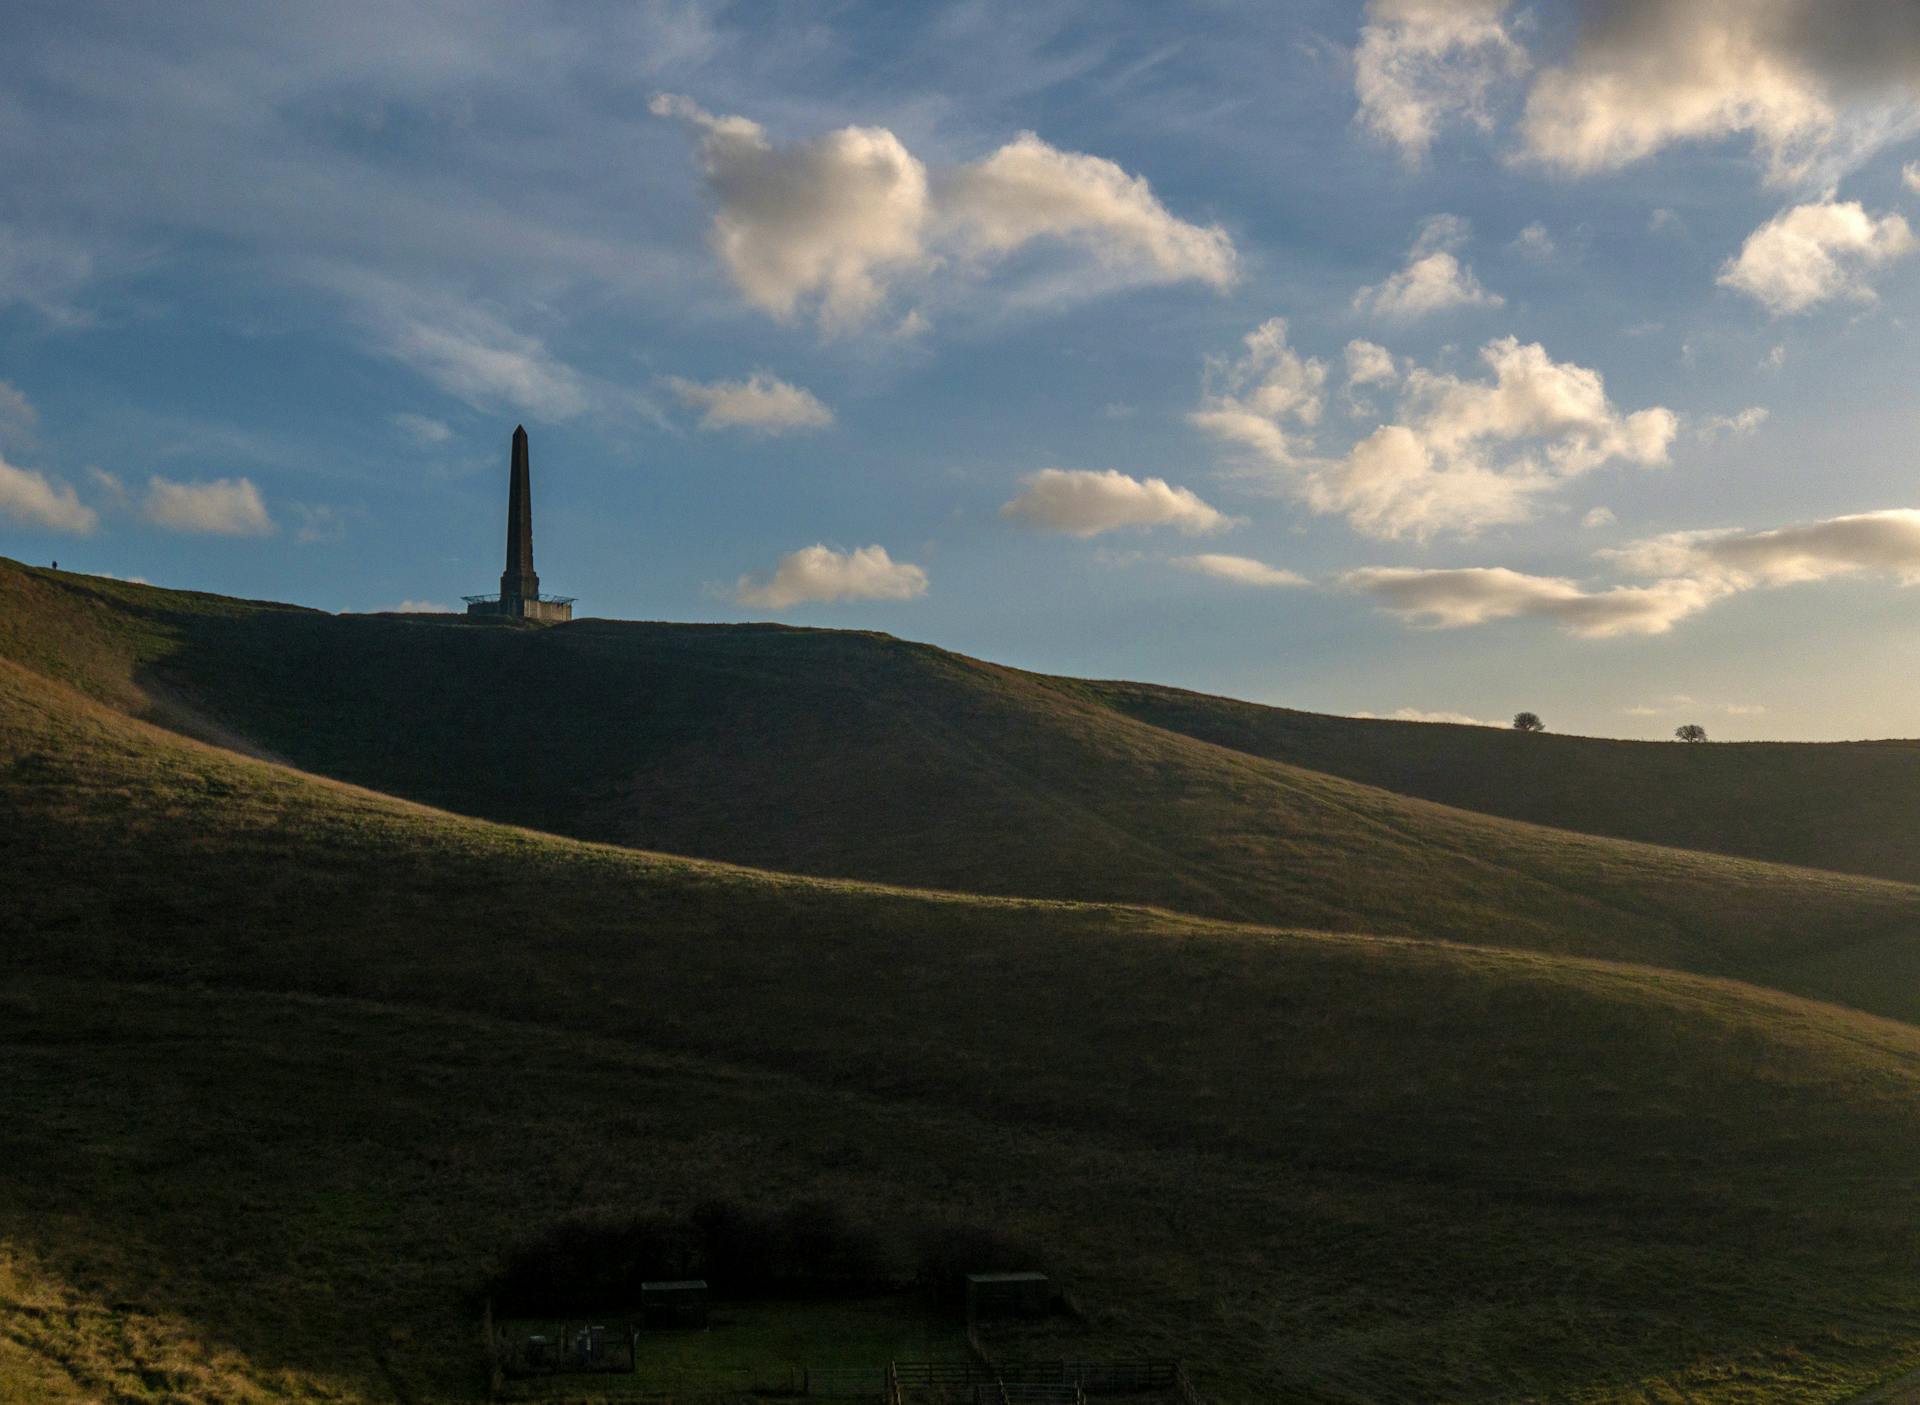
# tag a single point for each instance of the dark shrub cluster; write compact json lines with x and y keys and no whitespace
{"x":590,"y":1263}
{"x":949,"y":1252}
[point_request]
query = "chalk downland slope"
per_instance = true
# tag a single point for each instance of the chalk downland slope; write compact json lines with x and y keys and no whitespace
{"x":1846,"y":806}
{"x":861,"y":756}
{"x":287,"y":1062}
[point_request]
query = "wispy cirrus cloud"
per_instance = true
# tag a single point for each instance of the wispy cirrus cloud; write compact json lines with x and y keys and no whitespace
{"x":1454,"y":598}
{"x":466,"y":348}
{"x":1883,"y":543}
{"x":423,"y":430}
{"x":1684,"y":573}
{"x":1242,"y":570}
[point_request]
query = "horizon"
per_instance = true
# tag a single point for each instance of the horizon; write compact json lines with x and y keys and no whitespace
{"x":1363,"y":360}
{"x":462,"y":617}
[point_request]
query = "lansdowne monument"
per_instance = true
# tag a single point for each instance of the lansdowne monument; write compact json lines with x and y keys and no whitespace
{"x":520,"y":595}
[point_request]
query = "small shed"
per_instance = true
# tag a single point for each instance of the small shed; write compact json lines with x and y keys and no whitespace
{"x":1008,"y":1295}
{"x":678,"y":1302}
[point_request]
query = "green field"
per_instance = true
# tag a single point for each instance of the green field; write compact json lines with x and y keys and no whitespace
{"x":289,"y":1062}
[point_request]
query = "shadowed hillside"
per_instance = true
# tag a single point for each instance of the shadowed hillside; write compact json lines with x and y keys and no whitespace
{"x":287,"y":1061}
{"x":1849,"y":806}
{"x":862,"y":756}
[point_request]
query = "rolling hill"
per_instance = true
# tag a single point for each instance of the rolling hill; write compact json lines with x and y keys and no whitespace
{"x":862,"y":756}
{"x":1846,"y":806}
{"x":288,"y":1060}
{"x":260,"y":1019}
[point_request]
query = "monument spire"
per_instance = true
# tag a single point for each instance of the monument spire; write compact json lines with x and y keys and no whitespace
{"x":520,"y":596}
{"x":518,"y":579}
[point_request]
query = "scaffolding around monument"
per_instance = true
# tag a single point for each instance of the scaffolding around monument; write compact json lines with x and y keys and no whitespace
{"x":531,"y":607}
{"x":520,"y":596}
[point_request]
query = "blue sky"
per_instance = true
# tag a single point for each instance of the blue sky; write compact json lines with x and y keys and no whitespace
{"x":1436,"y":355}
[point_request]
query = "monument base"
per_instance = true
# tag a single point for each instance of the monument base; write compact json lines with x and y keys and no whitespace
{"x":521,"y":608}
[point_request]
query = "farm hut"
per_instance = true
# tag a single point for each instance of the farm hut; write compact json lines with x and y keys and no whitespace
{"x":674,"y":1303}
{"x":1008,"y":1295}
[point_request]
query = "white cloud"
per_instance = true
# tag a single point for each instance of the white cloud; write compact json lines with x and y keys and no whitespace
{"x":833,"y":222}
{"x":421,"y":429}
{"x":1450,"y":599}
{"x":1685,"y":572}
{"x":1085,"y":502}
{"x":1029,"y":190}
{"x":1534,"y":242}
{"x":1242,"y":570}
{"x":463,"y":347}
{"x":475,"y":356}
{"x":1461,"y":455}
{"x":1747,"y":421}
{"x":1418,"y":714}
{"x":1817,"y":84}
{"x":1665,"y":221}
{"x":31,"y":499}
{"x":1421,"y":63}
{"x":318,"y":523}
{"x":1369,"y":363}
{"x":1681,"y":702}
{"x":44,"y":273}
{"x":1599,"y":517}
{"x":1251,"y":399}
{"x":820,"y":574}
{"x":1433,"y":278}
{"x":828,"y":220}
{"x":17,"y":415}
{"x":762,"y":404}
{"x":1815,"y":252}
{"x":1886,"y":542}
{"x":224,"y":507}
{"x":1910,"y":176}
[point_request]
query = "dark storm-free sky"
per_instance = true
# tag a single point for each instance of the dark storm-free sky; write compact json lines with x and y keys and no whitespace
{"x":1447,"y":358}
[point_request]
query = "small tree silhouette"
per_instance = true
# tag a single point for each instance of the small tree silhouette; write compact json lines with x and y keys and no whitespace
{"x":1528,"y":722}
{"x":1692,"y":732}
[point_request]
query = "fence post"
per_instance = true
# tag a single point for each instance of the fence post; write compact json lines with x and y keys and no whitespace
{"x":494,"y":1378}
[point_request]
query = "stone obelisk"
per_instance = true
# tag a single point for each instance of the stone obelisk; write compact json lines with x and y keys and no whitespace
{"x":518,"y":582}
{"x":520,"y":596}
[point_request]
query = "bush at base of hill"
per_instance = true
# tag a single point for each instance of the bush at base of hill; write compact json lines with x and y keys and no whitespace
{"x":594,"y":1262}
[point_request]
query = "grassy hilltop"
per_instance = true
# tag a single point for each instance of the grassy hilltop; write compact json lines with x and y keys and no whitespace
{"x":1846,"y":806}
{"x":862,"y":756}
{"x":289,"y":1059}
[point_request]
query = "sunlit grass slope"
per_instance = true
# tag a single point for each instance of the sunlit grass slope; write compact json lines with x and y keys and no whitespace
{"x":1849,"y":806}
{"x":286,"y":1061}
{"x":862,"y":756}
